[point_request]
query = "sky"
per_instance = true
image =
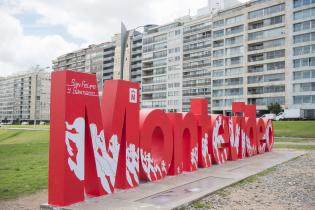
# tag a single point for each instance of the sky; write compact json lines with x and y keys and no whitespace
{"x":34,"y":32}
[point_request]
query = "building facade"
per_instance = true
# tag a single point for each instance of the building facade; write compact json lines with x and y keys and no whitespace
{"x":25,"y":97}
{"x":197,"y":45}
{"x":162,"y":68}
{"x":259,"y":52}
{"x":302,"y":71}
{"x":119,"y":58}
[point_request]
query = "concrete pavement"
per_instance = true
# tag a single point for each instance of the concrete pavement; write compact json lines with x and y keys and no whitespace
{"x":174,"y":192}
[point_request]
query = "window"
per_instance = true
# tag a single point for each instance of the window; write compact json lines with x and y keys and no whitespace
{"x":218,"y":93}
{"x":218,"y":83}
{"x":304,"y":87}
{"x":265,"y":78}
{"x":234,"y":71}
{"x":160,"y":54}
{"x":304,"y":38}
{"x":219,"y":33}
{"x":266,"y":45}
{"x":218,"y":53}
{"x":306,"y":25}
{"x":307,"y":99}
{"x":234,"y":30}
{"x":275,"y":66}
{"x":275,"y":54}
{"x":266,"y":34}
{"x":266,"y":22}
{"x":218,"y":73}
{"x":219,"y":23}
{"x":233,"y":61}
{"x":160,"y":38}
{"x":234,"y":92}
{"x":234,"y":20}
{"x":234,"y":40}
{"x":255,"y":68}
{"x":218,"y":43}
{"x":266,"y":11}
{"x":303,"y":74}
{"x":234,"y":81}
{"x":217,"y":63}
{"x":304,"y":13}
{"x":234,"y":51}
{"x":304,"y":62}
{"x":300,"y":3}
{"x":304,"y":50}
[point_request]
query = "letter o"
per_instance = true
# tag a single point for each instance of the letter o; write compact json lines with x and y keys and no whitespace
{"x":156,"y":144}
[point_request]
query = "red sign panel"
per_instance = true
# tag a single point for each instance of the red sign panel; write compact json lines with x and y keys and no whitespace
{"x":99,"y":146}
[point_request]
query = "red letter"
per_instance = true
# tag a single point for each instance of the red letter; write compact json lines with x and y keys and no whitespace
{"x":218,"y":142}
{"x":120,"y":117}
{"x":156,"y":143}
{"x":199,"y":107}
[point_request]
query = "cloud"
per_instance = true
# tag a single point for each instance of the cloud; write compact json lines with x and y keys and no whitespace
{"x":18,"y":52}
{"x":97,"y":20}
{"x":83,"y":21}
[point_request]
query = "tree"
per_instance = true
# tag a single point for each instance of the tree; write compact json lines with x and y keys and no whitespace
{"x":274,"y":108}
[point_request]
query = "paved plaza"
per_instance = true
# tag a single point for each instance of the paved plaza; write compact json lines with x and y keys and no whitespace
{"x":174,"y":192}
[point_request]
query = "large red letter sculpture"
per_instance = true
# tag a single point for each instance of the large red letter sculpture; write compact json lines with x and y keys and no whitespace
{"x":95,"y":148}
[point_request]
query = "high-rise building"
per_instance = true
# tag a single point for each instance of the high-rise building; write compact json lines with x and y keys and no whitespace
{"x":259,"y":52}
{"x":119,"y":58}
{"x":75,"y":60}
{"x":25,"y":97}
{"x":162,"y":68}
{"x":197,"y":44}
{"x":302,"y":56}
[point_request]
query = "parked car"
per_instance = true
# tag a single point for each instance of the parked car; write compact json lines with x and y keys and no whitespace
{"x":269,"y":116}
{"x":42,"y":123}
{"x":24,"y":123}
{"x":290,"y":114}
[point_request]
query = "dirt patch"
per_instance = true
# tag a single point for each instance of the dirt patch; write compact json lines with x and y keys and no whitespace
{"x":28,"y":202}
{"x":287,"y":186}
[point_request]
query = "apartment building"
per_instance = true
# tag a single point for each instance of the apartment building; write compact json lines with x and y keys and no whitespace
{"x":302,"y":47}
{"x":249,"y":55}
{"x":119,"y":58}
{"x":197,"y":45}
{"x":162,"y":68}
{"x":74,"y":60}
{"x":259,"y":52}
{"x":262,"y":54}
{"x":136,"y":56}
{"x":25,"y":97}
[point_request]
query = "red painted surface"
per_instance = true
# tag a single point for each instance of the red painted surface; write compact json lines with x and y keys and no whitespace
{"x":96,"y":147}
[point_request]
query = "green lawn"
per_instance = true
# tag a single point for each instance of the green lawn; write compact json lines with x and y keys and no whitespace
{"x":24,"y":126}
{"x":294,"y":128}
{"x":23,"y":162}
{"x":24,"y":155}
{"x":296,"y":140}
{"x":294,"y":146}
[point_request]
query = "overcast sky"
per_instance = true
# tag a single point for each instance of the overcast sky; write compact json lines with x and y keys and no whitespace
{"x":36,"y":31}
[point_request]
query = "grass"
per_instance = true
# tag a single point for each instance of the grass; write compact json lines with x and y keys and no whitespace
{"x":294,"y":146}
{"x":295,"y":128}
{"x":24,"y":126}
{"x":296,"y":140}
{"x":201,"y":205}
{"x":23,"y":162}
{"x":24,"y":156}
{"x":23,"y":136}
